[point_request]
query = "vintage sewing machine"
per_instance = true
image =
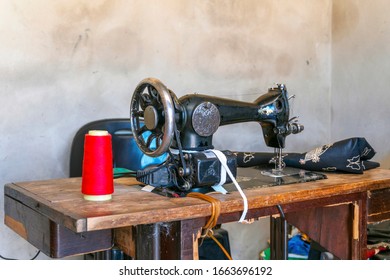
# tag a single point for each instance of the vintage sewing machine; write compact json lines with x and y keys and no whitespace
{"x":184,"y":128}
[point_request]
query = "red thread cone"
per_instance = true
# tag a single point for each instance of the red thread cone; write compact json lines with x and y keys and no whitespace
{"x":97,"y":174}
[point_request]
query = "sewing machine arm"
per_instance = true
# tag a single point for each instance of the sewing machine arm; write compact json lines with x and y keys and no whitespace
{"x":201,"y":115}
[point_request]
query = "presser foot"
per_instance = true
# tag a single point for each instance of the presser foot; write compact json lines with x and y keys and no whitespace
{"x":280,"y":166}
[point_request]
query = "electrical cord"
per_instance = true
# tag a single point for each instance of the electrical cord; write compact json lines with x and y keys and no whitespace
{"x":11,"y":259}
{"x":207,"y":229}
{"x":285,"y":234}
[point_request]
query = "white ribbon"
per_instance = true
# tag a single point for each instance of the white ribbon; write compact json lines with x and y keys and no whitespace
{"x":222,"y":158}
{"x":225,"y":169}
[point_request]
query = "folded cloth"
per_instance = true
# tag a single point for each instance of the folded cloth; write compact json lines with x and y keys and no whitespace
{"x":349,"y":155}
{"x":379,"y":253}
{"x":298,"y":248}
{"x":378,"y":241}
{"x":379,"y":233}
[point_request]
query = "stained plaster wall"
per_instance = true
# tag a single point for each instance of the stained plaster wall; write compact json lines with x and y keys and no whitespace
{"x":361,"y":73}
{"x":66,"y":63}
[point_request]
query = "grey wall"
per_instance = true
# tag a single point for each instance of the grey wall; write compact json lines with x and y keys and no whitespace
{"x":361,"y":73}
{"x":65,"y":63}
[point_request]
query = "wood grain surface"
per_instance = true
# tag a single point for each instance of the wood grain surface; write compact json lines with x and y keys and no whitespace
{"x":61,"y":200}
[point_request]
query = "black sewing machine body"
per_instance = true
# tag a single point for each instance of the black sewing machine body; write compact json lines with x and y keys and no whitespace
{"x":184,"y":128}
{"x":202,"y":115}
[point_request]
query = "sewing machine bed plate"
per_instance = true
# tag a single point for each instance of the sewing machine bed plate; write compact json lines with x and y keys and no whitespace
{"x":261,"y":180}
{"x":247,"y":180}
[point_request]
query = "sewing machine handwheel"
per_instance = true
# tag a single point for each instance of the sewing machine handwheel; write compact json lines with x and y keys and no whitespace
{"x":152,"y":117}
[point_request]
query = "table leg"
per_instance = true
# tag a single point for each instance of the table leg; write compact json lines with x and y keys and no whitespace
{"x":168,"y":241}
{"x":278,"y":240}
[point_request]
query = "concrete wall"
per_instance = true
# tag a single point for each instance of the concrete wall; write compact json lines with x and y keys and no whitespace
{"x":361,"y":73}
{"x":66,"y":63}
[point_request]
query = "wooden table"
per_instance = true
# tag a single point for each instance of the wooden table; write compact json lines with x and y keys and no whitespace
{"x":53,"y":216}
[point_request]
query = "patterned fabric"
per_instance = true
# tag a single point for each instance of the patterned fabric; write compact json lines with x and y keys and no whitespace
{"x":378,"y":241}
{"x":351,"y":155}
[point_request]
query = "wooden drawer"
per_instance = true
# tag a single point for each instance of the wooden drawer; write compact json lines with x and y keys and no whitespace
{"x":52,"y":239}
{"x":378,"y":206}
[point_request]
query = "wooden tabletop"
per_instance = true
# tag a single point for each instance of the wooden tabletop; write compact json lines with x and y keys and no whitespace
{"x":61,"y":200}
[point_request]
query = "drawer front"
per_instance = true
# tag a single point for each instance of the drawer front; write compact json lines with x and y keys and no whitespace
{"x":52,"y":239}
{"x":378,"y":206}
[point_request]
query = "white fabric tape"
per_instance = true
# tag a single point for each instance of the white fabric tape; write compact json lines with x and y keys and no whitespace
{"x":221,"y":158}
{"x":225,"y":169}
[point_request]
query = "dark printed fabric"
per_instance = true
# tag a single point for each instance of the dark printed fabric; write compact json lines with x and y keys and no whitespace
{"x":378,"y":241}
{"x":378,"y":233}
{"x":351,"y":155}
{"x":250,"y":159}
